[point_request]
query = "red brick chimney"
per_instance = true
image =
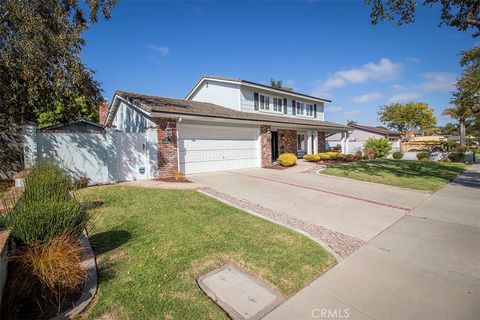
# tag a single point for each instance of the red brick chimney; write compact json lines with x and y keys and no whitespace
{"x":102,"y":112}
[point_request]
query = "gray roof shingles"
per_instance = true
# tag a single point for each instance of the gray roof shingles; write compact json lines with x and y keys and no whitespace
{"x":156,"y":104}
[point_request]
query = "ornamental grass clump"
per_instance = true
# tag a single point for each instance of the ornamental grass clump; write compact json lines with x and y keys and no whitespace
{"x":42,"y":275}
{"x":47,"y":208}
{"x":423,"y":156}
{"x":287,"y":159}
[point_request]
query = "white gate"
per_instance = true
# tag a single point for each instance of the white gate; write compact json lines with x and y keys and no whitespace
{"x":132,"y":156}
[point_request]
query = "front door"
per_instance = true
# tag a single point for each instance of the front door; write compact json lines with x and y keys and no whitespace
{"x":274,"y":145}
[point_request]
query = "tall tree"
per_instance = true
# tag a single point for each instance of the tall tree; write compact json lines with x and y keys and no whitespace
{"x":409,"y":118}
{"x":468,"y":86}
{"x":459,"y":14}
{"x":461,"y":113}
{"x":40,"y":65}
{"x":351,"y":122}
{"x":278,"y":84}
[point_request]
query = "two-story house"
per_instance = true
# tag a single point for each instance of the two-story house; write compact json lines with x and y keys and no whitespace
{"x":223,"y":124}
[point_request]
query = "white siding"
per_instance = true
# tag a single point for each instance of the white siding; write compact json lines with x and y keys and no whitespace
{"x":129,"y":119}
{"x":223,"y":94}
{"x":247,"y":104}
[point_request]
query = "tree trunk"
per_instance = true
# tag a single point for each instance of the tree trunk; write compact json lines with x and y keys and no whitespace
{"x":462,"y":132}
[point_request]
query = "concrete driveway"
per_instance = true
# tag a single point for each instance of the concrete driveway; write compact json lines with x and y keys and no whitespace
{"x":420,"y":259}
{"x":358,"y":209}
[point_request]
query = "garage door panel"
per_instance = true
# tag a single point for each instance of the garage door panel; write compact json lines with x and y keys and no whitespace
{"x":205,"y":148}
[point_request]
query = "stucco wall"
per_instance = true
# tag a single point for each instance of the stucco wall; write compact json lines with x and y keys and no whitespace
{"x":81,"y":154}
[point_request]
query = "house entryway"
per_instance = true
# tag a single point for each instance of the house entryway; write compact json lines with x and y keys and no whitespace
{"x":274,"y":145}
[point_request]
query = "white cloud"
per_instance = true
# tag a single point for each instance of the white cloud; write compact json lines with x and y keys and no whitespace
{"x":163,"y":51}
{"x":381,"y":71}
{"x":439,"y":81}
{"x":368,"y":97}
{"x":404,"y":97}
{"x":333,"y":109}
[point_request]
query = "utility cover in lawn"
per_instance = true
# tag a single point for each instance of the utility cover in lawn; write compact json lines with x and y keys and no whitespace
{"x":241,"y":295}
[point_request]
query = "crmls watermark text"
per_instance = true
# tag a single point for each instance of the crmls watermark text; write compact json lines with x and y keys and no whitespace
{"x":327,"y":313}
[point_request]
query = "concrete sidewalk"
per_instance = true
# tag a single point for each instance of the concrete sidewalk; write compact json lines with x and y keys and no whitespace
{"x":424,"y":266}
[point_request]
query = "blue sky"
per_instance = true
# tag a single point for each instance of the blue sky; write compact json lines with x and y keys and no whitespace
{"x":328,"y":49}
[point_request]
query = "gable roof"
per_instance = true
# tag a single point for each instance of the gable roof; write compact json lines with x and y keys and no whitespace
{"x":80,"y":125}
{"x":161,"y":106}
{"x":254,"y":85}
{"x":379,"y":130}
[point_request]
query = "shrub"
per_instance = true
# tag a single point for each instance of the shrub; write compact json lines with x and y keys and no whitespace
{"x":287,"y":159}
{"x":423,"y":155}
{"x":381,"y":146}
{"x":357,"y":155}
{"x":456,"y":156}
{"x":370,"y":153}
{"x":42,"y":220}
{"x":397,"y":155}
{"x":45,"y":272}
{"x":311,"y":157}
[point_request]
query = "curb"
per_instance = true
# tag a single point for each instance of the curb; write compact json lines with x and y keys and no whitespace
{"x":90,"y":286}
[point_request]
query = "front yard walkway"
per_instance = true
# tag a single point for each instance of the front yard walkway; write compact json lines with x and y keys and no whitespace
{"x":424,"y":266}
{"x":152,"y":244}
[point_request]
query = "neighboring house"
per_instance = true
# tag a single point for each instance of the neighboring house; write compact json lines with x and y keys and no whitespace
{"x":222,"y":124}
{"x":355,"y":138}
{"x":76,"y":126}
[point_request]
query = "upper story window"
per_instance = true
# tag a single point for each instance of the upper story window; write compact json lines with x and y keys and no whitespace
{"x":309,"y":110}
{"x":264,"y":102}
{"x":278,"y":104}
{"x":300,"y":108}
{"x":305,"y":109}
{"x":271,"y":104}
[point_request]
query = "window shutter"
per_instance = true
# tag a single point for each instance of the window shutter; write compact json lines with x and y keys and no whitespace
{"x":262,"y":102}
{"x":285,"y":108}
{"x":255,"y":100}
{"x":314,"y":110}
{"x":294,"y":109}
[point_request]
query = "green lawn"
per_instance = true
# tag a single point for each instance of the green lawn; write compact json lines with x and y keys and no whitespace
{"x":421,"y":175}
{"x":151,"y":245}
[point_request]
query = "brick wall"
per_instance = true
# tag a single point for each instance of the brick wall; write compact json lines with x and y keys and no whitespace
{"x":167,"y":148}
{"x":102,"y":112}
{"x":287,"y":141}
{"x":266,"y":145}
{"x":321,"y":141}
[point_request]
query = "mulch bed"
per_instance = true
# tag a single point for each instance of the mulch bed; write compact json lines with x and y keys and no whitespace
{"x":172,"y":179}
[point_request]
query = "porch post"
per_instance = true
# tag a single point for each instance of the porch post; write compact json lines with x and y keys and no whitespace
{"x":309,"y":142}
{"x":315,"y":141}
{"x":342,"y":143}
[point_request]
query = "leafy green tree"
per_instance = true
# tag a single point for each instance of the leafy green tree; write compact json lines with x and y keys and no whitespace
{"x":60,"y":114}
{"x":351,"y":122}
{"x":449,"y":129}
{"x":278,"y":84}
{"x":411,"y":117}
{"x":468,"y":86}
{"x":459,"y":14}
{"x":41,"y":73}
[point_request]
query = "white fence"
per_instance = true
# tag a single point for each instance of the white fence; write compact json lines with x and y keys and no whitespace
{"x":106,"y":157}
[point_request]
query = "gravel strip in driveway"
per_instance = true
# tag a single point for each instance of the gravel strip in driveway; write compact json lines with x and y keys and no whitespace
{"x":340,"y":243}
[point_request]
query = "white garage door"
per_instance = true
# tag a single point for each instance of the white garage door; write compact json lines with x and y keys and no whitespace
{"x":204,"y":148}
